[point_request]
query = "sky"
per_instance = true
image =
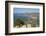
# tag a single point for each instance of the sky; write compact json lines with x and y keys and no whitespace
{"x":25,"y":10}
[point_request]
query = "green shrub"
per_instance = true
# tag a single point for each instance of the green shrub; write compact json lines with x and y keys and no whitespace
{"x":18,"y":22}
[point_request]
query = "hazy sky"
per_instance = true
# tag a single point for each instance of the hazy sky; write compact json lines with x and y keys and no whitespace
{"x":25,"y":10}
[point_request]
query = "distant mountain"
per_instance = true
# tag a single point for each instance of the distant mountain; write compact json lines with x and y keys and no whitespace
{"x":20,"y":16}
{"x":24,"y":15}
